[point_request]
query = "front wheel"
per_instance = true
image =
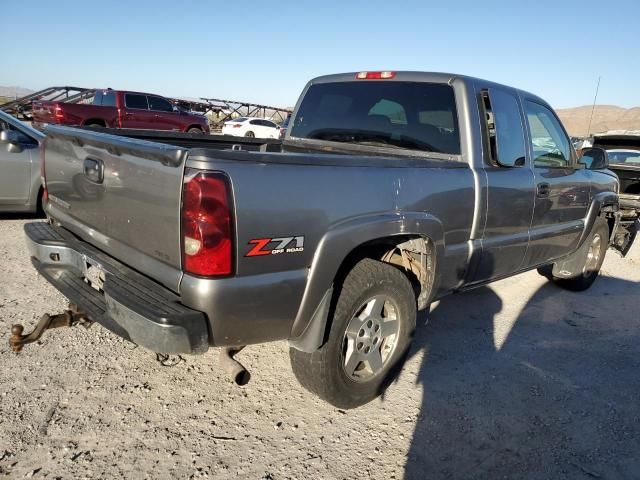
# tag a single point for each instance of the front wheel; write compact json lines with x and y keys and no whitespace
{"x":370,"y":333}
{"x":250,"y":135}
{"x":195,"y":130}
{"x":588,"y":259}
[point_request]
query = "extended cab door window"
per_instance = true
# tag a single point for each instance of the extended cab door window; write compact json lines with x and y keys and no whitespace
{"x":549,"y":144}
{"x":503,"y":128}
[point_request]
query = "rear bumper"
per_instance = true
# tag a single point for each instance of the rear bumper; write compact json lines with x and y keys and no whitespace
{"x":129,"y":304}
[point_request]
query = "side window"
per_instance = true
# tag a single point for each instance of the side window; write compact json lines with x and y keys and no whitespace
{"x":550,"y":145}
{"x":106,"y":98}
{"x":159,"y":104}
{"x":135,"y":101}
{"x":271,"y":124}
{"x":392,"y":110}
{"x":504,"y":128}
{"x":23,"y":138}
{"x":255,"y":122}
{"x":109,"y":99}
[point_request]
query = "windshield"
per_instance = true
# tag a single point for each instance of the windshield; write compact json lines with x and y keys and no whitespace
{"x":624,"y":157}
{"x":412,"y":115}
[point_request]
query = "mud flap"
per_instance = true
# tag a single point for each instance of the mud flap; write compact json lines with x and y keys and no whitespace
{"x":571,"y":266}
{"x":625,"y":236}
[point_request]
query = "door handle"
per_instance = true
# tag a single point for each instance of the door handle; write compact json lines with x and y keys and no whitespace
{"x":94,"y":170}
{"x":543,"y":189}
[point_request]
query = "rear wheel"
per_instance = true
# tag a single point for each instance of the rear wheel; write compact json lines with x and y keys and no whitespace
{"x":39,"y":203}
{"x":588,"y":259}
{"x":194,"y":130}
{"x":370,"y":333}
{"x":95,"y":125}
{"x":250,"y":135}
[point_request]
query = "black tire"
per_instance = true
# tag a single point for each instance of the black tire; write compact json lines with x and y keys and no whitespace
{"x":323,"y":372}
{"x":195,"y":130}
{"x":39,"y":204}
{"x":95,"y":125}
{"x":250,"y":135}
{"x":595,"y":244}
{"x":546,"y":271}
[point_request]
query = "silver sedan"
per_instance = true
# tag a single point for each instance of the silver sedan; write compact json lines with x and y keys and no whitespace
{"x":20,"y":186}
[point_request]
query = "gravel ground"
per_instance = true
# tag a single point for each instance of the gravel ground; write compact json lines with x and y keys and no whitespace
{"x":516,"y":380}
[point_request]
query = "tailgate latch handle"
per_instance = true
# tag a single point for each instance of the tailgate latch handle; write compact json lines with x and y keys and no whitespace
{"x":94,"y":170}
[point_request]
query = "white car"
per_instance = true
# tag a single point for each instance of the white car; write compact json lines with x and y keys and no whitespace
{"x":252,"y":127}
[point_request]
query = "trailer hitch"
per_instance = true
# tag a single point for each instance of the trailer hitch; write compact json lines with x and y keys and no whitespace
{"x":68,"y":318}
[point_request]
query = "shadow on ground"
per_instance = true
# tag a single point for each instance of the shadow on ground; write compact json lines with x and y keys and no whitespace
{"x":558,"y":397}
{"x":21,"y":216}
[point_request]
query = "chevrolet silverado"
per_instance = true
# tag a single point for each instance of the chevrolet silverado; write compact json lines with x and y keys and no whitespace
{"x":390,"y":190}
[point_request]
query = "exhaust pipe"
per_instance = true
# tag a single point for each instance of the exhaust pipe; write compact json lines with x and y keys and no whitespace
{"x":239,"y":374}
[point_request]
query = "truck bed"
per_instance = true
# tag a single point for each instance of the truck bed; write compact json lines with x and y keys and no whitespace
{"x":194,"y":140}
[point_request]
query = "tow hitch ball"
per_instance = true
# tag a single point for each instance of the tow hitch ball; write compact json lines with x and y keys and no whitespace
{"x":68,"y":318}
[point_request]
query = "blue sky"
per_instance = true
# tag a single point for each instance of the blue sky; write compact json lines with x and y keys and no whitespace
{"x":266,"y":51}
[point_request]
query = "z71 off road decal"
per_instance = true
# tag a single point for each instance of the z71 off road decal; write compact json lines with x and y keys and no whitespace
{"x":275,"y":246}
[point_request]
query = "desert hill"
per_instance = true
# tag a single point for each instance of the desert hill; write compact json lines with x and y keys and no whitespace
{"x":605,"y":118}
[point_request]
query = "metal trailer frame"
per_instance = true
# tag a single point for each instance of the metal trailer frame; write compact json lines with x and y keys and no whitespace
{"x":21,"y":108}
{"x":246,"y":109}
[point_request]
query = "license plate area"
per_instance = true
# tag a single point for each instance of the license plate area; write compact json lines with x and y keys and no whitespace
{"x":94,"y":275}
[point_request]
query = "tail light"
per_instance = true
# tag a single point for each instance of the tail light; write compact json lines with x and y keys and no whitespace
{"x":207,"y":233}
{"x":58,"y":113}
{"x":375,"y":75}
{"x":237,"y":125}
{"x":43,"y":175}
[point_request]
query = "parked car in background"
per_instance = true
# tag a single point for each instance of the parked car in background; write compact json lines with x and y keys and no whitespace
{"x":251,"y":127}
{"x":120,"y":109}
{"x":623,"y":150}
{"x":284,"y":126}
{"x":20,"y":184}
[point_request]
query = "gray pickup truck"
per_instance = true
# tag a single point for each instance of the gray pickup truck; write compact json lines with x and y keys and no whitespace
{"x":391,"y":190}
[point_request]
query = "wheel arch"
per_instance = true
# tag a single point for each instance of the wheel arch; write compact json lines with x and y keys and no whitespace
{"x":384,"y":238}
{"x":95,"y":121}
{"x":603,"y":204}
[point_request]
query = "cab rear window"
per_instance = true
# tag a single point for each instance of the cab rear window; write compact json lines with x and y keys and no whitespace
{"x":412,"y":115}
{"x":105,"y":98}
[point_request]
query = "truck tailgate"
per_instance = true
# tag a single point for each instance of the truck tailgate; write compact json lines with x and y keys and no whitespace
{"x":119,"y":194}
{"x":43,"y":112}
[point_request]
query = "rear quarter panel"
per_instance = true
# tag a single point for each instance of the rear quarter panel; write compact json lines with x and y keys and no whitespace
{"x":332,"y":206}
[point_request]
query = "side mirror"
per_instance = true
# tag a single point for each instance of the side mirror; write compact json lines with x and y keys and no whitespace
{"x":594,"y":158}
{"x":12,"y":140}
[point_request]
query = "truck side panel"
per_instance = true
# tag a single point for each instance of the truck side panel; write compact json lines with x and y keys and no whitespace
{"x":284,"y":212}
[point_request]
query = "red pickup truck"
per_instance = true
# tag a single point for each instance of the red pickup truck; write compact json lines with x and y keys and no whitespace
{"x":118,"y":109}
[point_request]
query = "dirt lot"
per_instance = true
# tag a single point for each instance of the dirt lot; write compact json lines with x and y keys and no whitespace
{"x":519,"y":380}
